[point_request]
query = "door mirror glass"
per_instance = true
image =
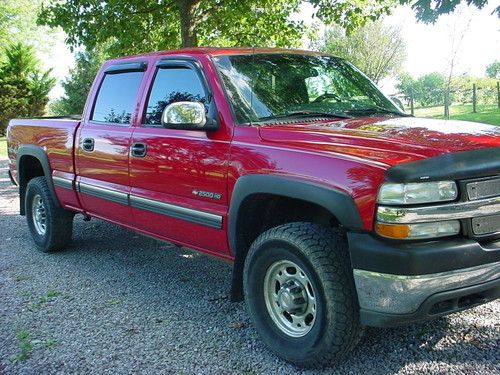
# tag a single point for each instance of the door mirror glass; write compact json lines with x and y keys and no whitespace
{"x":184,"y":115}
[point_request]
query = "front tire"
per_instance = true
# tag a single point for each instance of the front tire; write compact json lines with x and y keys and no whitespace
{"x":50,"y":226}
{"x":300,"y":294}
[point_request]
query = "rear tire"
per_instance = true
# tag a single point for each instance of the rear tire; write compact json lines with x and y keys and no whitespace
{"x":300,"y":294}
{"x":51,"y":227}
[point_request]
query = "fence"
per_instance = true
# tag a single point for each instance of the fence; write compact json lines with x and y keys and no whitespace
{"x":475,"y":95}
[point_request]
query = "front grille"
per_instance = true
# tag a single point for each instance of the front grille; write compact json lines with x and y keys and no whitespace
{"x":483,"y":189}
{"x":485,"y":227}
{"x":486,"y":224}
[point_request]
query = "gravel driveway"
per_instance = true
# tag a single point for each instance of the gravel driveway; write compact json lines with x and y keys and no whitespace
{"x":119,"y":303}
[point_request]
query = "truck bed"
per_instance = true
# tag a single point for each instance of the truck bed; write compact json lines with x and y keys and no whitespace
{"x":54,"y":134}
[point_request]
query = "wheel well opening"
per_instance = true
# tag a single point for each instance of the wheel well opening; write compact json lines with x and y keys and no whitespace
{"x":29,"y":168}
{"x":261,"y":212}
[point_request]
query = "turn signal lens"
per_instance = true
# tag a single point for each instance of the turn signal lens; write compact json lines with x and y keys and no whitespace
{"x":398,"y":231}
{"x":418,"y":231}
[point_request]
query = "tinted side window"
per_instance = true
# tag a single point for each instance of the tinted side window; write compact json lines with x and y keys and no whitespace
{"x":117,"y":97}
{"x":173,"y":85}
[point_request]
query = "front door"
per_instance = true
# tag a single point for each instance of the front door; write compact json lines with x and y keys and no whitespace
{"x":178,"y":187}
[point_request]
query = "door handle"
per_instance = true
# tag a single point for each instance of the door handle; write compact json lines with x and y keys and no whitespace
{"x":138,"y":149}
{"x":88,"y":144}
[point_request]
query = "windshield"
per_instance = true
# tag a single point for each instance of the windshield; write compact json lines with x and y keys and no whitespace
{"x":265,"y":86}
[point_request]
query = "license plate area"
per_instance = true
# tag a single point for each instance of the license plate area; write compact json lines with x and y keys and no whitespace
{"x":486,"y":225}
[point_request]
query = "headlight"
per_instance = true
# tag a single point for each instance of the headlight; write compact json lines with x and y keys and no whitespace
{"x":418,"y":192}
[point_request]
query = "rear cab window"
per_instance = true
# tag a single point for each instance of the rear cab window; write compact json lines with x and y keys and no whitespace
{"x":117,"y":97}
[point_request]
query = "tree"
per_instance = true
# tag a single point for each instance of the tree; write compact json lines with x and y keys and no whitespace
{"x":459,"y":29}
{"x":140,"y":25}
{"x":427,"y":90}
{"x":493,"y":70}
{"x":24,"y":87}
{"x":352,"y":14}
{"x":18,"y":24}
{"x":407,"y":84}
{"x":462,"y":89}
{"x":430,"y":10}
{"x":77,"y":85}
{"x":377,"y":50}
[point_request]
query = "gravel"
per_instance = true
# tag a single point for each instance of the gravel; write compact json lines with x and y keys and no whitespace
{"x":116,"y":302}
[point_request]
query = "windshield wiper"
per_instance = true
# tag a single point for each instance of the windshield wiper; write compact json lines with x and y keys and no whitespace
{"x":304,"y":114}
{"x":378,"y":109}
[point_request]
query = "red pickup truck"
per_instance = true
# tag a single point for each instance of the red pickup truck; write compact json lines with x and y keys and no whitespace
{"x":337,"y":210}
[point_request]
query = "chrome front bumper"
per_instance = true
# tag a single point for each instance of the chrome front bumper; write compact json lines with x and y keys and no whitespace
{"x":397,"y":294}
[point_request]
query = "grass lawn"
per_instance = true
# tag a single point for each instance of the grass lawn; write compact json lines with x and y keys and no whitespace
{"x":489,"y":114}
{"x":3,"y":147}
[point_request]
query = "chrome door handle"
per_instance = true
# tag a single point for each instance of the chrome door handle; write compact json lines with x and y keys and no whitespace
{"x":138,"y":149}
{"x":88,"y":144}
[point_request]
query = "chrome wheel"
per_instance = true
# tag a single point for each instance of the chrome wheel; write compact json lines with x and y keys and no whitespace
{"x":290,"y":298}
{"x":39,"y":215}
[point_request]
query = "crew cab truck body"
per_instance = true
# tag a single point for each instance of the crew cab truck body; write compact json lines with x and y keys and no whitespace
{"x":337,"y":210}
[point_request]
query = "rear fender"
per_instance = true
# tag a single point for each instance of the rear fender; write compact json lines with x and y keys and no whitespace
{"x":38,"y":153}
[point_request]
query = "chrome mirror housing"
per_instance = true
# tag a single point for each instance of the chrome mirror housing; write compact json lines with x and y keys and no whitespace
{"x":184,"y":115}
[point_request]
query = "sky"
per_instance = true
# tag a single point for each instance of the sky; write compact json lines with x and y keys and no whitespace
{"x":428,"y":46}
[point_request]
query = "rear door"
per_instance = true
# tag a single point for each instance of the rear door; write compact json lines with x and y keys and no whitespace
{"x":103,"y":144}
{"x":178,"y":185}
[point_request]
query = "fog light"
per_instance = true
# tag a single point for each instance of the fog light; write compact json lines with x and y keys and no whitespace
{"x":419,"y":230}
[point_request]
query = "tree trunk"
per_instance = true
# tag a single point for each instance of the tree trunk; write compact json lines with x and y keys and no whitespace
{"x":187,"y":10}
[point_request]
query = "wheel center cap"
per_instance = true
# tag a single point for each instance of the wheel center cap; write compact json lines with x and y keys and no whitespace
{"x":286,"y":300}
{"x":291,"y":297}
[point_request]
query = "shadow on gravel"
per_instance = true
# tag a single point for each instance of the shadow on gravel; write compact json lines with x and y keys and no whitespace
{"x":117,"y":256}
{"x":440,"y":340}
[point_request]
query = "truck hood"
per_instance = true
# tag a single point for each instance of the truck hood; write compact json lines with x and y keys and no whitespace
{"x":387,"y":140}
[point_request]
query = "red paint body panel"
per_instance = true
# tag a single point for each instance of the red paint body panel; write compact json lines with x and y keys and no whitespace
{"x":105,"y":167}
{"x":177,"y":163}
{"x":56,"y":137}
{"x":349,"y":155}
{"x":67,"y":198}
{"x":359,"y":179}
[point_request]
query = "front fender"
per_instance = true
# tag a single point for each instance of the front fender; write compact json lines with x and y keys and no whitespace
{"x":337,"y":202}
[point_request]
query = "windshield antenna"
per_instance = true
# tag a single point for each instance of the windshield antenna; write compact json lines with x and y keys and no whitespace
{"x":256,"y":11}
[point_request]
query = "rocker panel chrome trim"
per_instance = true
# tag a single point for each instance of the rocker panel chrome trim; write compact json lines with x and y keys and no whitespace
{"x":178,"y":212}
{"x":108,"y":194}
{"x":62,"y":182}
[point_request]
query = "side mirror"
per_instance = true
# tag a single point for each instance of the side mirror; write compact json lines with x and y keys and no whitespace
{"x":185,"y":115}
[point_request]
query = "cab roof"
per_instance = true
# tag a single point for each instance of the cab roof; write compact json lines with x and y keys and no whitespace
{"x":218,"y":51}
